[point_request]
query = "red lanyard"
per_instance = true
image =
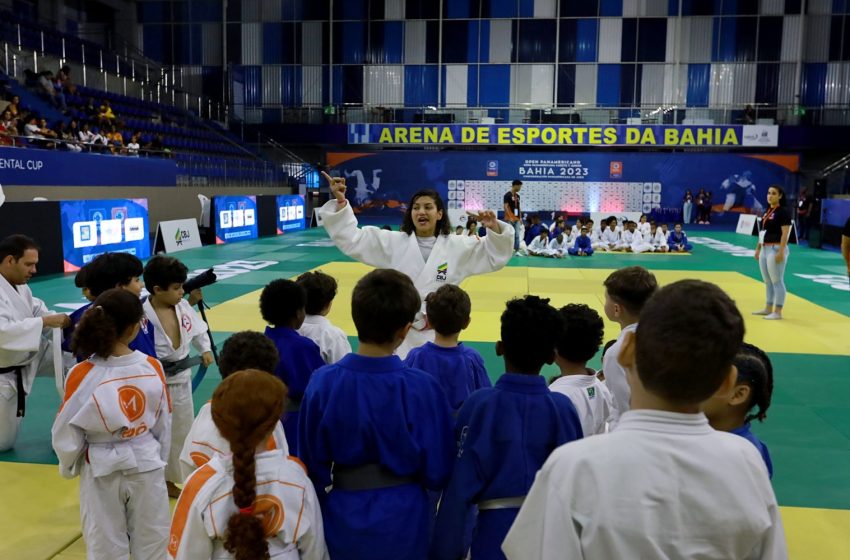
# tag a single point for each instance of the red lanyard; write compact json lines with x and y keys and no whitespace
{"x":768,"y":214}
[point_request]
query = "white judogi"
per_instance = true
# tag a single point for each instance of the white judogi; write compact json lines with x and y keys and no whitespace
{"x":331,"y":340}
{"x":205,"y":441}
{"x":609,"y":240}
{"x":658,"y":240}
{"x":644,"y":228}
{"x":666,"y":234}
{"x":592,"y":399}
{"x":539,"y":245}
{"x":615,"y":377}
{"x":626,"y":238}
{"x":193,"y":332}
{"x":452,"y":260}
{"x":558,"y":249}
{"x":638,"y":243}
{"x":113,"y":430}
{"x":664,"y":485}
{"x":286,"y":502}
{"x":21,"y":344}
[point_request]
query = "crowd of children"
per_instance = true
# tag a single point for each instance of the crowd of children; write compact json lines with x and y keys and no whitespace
{"x":585,"y":237}
{"x":309,"y":450}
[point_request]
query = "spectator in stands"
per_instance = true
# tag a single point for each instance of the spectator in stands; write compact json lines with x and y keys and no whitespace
{"x":115,"y":141}
{"x":48,"y":132}
{"x":69,"y":141}
{"x":48,"y":90}
{"x":64,"y":78}
{"x":9,"y":123}
{"x":105,"y":116}
{"x":14,"y":107}
{"x":92,"y":139}
{"x":34,"y":134}
{"x":133,"y":145}
{"x":157,"y":146}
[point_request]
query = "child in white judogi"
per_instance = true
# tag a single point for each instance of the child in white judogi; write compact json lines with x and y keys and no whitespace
{"x":539,"y":246}
{"x":243,"y":350}
{"x":638,"y":244}
{"x":626,"y":291}
{"x":664,"y":484}
{"x":579,"y":342}
{"x":626,"y":238}
{"x":609,"y":238}
{"x":644,"y":226}
{"x":251,"y":503}
{"x":559,"y":246}
{"x":665,"y":230}
{"x":113,"y":431}
{"x":331,"y":340}
{"x":658,"y":240}
{"x":177,"y":327}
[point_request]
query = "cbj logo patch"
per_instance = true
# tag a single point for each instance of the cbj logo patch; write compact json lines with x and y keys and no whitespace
{"x":442,"y":272}
{"x":186,"y":322}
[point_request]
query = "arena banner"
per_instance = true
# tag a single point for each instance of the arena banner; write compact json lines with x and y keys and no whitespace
{"x":381,"y":183}
{"x":235,"y":218}
{"x":290,"y":213}
{"x":93,"y":227}
{"x":32,"y":167}
{"x":724,"y":136}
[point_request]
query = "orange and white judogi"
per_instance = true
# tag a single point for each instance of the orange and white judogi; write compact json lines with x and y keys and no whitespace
{"x":193,"y":332}
{"x":113,"y":431}
{"x":205,"y":441}
{"x":286,"y":502}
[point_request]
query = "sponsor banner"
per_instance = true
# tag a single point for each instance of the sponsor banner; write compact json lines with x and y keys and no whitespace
{"x":725,"y":136}
{"x":381,"y":183}
{"x":93,"y":227}
{"x":58,"y":168}
{"x":235,"y":218}
{"x":290,"y":213}
{"x":179,"y":235}
{"x":746,"y":224}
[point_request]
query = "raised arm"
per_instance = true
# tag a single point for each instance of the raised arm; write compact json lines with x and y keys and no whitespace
{"x":370,"y":246}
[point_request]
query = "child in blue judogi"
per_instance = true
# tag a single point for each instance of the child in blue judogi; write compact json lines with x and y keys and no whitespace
{"x":282,"y":305}
{"x":459,"y":369}
{"x":376,"y":435}
{"x":583,"y":246}
{"x":504,"y":435}
{"x":754,"y":388}
{"x":678,"y":241}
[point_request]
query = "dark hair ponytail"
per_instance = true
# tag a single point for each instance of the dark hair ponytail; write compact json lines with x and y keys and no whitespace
{"x":245,"y":408}
{"x":111,"y":314}
{"x":755,"y":369}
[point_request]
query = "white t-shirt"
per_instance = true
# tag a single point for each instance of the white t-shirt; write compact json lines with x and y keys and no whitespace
{"x":425,"y":245}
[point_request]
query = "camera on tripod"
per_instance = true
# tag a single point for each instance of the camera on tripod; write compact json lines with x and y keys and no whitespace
{"x":202,"y":280}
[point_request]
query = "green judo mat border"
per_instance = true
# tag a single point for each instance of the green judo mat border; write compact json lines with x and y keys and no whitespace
{"x":806,"y":430}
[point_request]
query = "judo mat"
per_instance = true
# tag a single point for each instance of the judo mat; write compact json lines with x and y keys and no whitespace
{"x":806,"y":429}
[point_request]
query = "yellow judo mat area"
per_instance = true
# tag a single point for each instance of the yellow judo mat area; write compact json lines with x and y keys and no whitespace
{"x":811,"y":329}
{"x":806,"y":430}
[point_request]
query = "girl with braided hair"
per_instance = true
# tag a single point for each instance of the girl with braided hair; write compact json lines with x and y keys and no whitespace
{"x":733,"y":413}
{"x":253,"y":504}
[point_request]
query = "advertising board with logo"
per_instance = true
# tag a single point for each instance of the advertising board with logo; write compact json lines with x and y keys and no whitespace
{"x":177,"y":235}
{"x":290,"y":213}
{"x":93,"y":227}
{"x":235,"y":218}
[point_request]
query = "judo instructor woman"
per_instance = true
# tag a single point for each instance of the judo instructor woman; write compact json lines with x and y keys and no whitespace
{"x":424,"y":249}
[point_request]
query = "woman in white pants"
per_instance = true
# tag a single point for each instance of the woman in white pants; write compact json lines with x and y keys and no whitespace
{"x":772,"y":252}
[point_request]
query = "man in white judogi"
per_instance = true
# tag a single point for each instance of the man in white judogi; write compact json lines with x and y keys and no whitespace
{"x":23,"y":320}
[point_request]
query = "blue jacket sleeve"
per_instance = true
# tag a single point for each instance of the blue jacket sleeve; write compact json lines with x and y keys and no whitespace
{"x":432,"y":428}
{"x":312,"y":446}
{"x":464,"y":486}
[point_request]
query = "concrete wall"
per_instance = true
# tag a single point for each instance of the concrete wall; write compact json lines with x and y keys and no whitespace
{"x":164,"y":203}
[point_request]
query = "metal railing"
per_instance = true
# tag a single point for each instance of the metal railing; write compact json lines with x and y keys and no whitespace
{"x":579,"y":113}
{"x":113,"y":73}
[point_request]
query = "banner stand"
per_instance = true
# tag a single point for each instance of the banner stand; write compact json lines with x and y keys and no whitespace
{"x":177,"y":235}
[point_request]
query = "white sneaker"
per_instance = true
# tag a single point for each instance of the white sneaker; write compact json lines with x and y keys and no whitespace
{"x":761,"y":312}
{"x":773,"y":317}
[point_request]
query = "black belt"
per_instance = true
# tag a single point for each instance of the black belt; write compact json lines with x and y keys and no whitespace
{"x":19,"y":386}
{"x":173,"y":368}
{"x":371,"y":476}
